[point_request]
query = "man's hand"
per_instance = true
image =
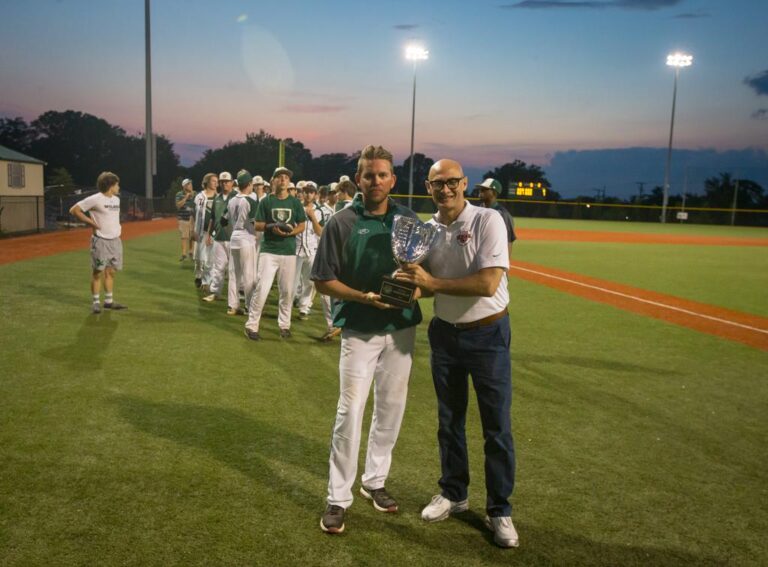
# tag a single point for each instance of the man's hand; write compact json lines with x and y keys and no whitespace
{"x":208,"y":239}
{"x":310,"y":212}
{"x":417,"y":275}
{"x":374,"y":299}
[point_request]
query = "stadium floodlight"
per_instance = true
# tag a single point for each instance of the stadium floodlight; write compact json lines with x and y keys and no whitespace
{"x":678,"y":61}
{"x":414,"y":53}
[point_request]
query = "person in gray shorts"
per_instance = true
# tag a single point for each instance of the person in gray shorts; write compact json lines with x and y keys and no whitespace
{"x":103,"y":217}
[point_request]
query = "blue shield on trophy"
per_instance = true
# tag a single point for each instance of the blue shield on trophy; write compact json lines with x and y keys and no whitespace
{"x":411,"y":242}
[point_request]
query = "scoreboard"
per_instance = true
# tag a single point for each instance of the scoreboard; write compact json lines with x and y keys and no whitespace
{"x":523,"y":189}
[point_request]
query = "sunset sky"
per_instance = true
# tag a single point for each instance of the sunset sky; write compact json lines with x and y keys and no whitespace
{"x":505,"y":80}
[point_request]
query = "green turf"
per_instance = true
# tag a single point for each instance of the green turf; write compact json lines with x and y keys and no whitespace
{"x":735,"y":277}
{"x":159,"y":435}
{"x":644,"y":227}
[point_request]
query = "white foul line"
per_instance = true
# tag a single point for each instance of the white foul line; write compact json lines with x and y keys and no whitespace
{"x":657,"y":304}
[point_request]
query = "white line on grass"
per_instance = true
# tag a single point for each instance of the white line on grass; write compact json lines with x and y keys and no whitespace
{"x":640,"y":299}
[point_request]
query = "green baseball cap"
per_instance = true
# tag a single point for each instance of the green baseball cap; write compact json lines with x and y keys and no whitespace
{"x":244,"y":178}
{"x":490,"y":183}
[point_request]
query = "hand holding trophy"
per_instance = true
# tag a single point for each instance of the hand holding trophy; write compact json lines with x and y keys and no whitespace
{"x":411,"y":243}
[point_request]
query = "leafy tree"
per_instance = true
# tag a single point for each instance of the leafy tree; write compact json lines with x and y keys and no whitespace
{"x":60,"y":182}
{"x":421,"y":165}
{"x":327,"y":168}
{"x":719,"y":192}
{"x":16,"y":134}
{"x":520,"y":171}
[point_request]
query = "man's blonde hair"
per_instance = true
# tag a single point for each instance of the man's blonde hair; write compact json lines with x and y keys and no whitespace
{"x":371,"y":153}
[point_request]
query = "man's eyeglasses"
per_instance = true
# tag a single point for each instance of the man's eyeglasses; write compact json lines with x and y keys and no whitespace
{"x":438,"y":184}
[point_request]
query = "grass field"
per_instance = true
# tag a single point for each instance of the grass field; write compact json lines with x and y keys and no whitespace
{"x":161,"y":436}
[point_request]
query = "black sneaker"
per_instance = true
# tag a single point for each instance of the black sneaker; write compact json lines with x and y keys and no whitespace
{"x":253,"y":335}
{"x":114,"y":306}
{"x":198,"y":282}
{"x":381,"y":499}
{"x":332,"y":521}
{"x":285,"y":334}
{"x":303,"y":316}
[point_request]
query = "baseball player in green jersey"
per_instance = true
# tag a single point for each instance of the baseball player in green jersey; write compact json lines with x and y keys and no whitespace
{"x":219,"y":231}
{"x":377,"y":340}
{"x":281,"y":217}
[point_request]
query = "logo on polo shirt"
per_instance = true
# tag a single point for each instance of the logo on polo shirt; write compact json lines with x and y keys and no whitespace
{"x":363,"y":231}
{"x":463,"y":237}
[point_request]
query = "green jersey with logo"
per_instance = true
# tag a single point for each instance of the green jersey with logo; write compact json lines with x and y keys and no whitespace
{"x":356,"y":249}
{"x":288,"y":210}
{"x":221,"y":233}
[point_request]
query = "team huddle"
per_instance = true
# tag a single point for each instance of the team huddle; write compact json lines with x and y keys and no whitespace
{"x":336,"y":244}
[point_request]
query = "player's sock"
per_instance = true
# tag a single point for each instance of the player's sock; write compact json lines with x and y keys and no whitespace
{"x":108,"y":298}
{"x":96,"y":298}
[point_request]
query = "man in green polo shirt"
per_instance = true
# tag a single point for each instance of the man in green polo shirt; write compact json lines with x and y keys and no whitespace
{"x":281,"y":217}
{"x":377,"y":340}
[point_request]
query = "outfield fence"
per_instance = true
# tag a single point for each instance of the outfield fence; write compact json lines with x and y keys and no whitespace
{"x":580,"y":210}
{"x":21,"y":214}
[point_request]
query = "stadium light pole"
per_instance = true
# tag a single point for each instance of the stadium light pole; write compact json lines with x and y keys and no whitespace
{"x":414,"y":53}
{"x":148,"y":145}
{"x":676,"y":60}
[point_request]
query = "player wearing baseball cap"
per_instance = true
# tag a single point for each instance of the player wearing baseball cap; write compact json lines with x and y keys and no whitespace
{"x":185,"y":209}
{"x":204,"y":248}
{"x":220,"y":231}
{"x":241,"y":211}
{"x":281,"y":217}
{"x":489,"y":192}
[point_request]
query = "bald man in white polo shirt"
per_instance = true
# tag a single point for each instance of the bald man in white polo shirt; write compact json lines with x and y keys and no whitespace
{"x":466,"y":272}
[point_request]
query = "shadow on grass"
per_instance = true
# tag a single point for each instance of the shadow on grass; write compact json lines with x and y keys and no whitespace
{"x":255,"y":448}
{"x":525,"y":359}
{"x":538,"y":546}
{"x":91,"y":345}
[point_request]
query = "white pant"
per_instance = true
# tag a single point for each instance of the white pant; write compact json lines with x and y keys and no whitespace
{"x":204,"y":261}
{"x":221,"y":263}
{"x":244,"y":260}
{"x":326,"y":302}
{"x":384,"y":360}
{"x":269,"y":266}
{"x":305,"y":287}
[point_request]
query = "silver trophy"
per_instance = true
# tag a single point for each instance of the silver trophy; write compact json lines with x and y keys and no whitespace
{"x":411,"y":242}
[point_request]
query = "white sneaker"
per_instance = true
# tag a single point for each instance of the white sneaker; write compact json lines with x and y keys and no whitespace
{"x":440,"y":508}
{"x":209,"y":298}
{"x":504,"y":532}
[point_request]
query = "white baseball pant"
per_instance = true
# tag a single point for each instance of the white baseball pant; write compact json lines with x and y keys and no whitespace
{"x":305,"y":287}
{"x":326,"y":302}
{"x":244,"y":260}
{"x":385,"y":360}
{"x":204,"y":261}
{"x":269,"y":266}
{"x":221,"y":263}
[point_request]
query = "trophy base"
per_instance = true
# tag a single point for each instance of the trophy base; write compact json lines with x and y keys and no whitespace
{"x":397,"y":292}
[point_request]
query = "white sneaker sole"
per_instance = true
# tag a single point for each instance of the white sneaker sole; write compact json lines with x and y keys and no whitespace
{"x":333,"y":531}
{"x":506,"y":543}
{"x":456,"y":508}
{"x":367,"y":496}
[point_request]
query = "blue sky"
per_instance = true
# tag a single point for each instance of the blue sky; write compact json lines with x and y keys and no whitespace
{"x":504,"y":80}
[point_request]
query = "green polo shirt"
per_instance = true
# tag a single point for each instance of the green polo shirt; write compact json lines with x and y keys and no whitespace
{"x":288,"y":210}
{"x":218,"y":210}
{"x":187,"y":210}
{"x":356,"y":249}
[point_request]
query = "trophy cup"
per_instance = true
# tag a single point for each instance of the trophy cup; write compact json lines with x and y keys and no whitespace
{"x":411,"y":242}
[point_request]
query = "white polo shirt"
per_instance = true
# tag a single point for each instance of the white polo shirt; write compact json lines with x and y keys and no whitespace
{"x":105,"y":211}
{"x":477,"y":239}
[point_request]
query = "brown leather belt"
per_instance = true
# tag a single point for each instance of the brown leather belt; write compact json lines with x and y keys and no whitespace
{"x":480,"y":322}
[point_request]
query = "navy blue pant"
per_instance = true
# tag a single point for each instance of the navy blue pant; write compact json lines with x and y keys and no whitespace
{"x":483,"y":353}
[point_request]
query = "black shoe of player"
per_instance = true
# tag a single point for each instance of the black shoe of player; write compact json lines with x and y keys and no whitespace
{"x":253,"y":335}
{"x":114,"y":306}
{"x":198,"y":282}
{"x":332,"y":521}
{"x":285,"y":334}
{"x":381,"y":499}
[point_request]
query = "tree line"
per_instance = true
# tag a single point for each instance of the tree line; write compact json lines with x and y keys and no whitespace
{"x":77,"y":146}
